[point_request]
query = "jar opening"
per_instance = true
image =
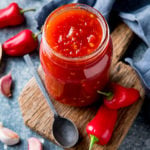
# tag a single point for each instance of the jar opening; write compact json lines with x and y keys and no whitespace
{"x":105,"y":32}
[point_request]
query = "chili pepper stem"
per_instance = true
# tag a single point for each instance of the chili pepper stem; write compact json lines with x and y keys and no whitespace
{"x":26,"y":10}
{"x":36,"y":34}
{"x":93,"y":140}
{"x":109,"y":95}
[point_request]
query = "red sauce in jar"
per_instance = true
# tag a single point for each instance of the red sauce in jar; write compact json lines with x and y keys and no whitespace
{"x":74,"y":33}
{"x":75,"y":54}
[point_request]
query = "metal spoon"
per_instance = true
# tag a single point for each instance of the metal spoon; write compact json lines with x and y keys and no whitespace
{"x":64,"y":130}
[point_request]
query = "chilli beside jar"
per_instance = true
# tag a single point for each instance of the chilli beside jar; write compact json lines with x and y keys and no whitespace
{"x":75,"y":54}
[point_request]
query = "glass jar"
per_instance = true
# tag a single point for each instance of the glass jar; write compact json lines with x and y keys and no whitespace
{"x":75,"y":80}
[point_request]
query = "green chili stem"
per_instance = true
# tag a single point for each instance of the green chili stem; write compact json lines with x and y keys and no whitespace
{"x":93,"y":140}
{"x":26,"y":10}
{"x":36,"y":34}
{"x":109,"y":95}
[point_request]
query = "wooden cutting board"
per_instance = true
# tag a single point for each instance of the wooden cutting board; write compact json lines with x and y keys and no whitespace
{"x":37,"y":115}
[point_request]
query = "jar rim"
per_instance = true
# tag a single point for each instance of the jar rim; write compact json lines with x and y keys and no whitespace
{"x":105,"y":32}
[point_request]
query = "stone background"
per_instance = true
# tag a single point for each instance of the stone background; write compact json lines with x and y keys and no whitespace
{"x":138,"y":137}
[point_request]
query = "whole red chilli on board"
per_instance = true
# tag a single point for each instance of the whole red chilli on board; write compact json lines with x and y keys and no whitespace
{"x":120,"y":96}
{"x":101,"y":127}
{"x":22,"y":43}
{"x":12,"y":15}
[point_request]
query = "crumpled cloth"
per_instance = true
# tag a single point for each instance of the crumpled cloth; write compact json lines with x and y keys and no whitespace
{"x":135,"y":13}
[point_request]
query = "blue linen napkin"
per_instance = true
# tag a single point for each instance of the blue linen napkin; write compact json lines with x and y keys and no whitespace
{"x":142,"y":68}
{"x":135,"y":13}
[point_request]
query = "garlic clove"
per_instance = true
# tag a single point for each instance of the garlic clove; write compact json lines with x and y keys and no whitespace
{"x":34,"y":144}
{"x":1,"y":52}
{"x":8,"y":136}
{"x":5,"y":85}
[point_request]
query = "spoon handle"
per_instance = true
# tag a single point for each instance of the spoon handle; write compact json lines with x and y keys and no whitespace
{"x":29,"y":62}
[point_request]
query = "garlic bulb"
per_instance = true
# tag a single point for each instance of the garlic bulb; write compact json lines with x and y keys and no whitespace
{"x":5,"y":85}
{"x":8,"y":136}
{"x":34,"y":144}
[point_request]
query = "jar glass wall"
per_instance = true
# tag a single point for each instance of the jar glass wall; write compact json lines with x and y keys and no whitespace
{"x":74,"y":80}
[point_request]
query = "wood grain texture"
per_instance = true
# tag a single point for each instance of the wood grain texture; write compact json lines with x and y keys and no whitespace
{"x":39,"y":118}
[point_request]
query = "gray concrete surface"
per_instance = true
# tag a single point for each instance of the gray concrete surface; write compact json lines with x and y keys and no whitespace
{"x":138,"y":137}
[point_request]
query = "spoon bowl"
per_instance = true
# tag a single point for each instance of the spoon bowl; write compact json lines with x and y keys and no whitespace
{"x":65,"y":132}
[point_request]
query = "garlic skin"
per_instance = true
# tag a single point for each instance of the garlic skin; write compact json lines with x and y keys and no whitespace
{"x":5,"y":85}
{"x":8,"y":136}
{"x":34,"y":144}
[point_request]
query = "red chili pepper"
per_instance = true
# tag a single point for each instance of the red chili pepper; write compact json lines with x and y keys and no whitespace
{"x":120,"y":96}
{"x":22,"y":43}
{"x":12,"y":15}
{"x":100,"y":128}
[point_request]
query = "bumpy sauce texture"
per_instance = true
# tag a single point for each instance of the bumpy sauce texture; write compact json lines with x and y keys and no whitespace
{"x":74,"y":33}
